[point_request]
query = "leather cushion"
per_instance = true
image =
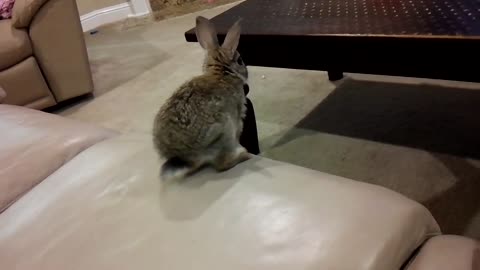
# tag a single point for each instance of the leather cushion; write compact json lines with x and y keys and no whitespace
{"x":34,"y":144}
{"x":448,"y":252}
{"x":108,"y":209}
{"x":24,"y":11}
{"x":25,"y":86}
{"x":14,"y":45}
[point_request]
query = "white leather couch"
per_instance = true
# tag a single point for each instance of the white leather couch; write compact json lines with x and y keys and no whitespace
{"x":81,"y":197}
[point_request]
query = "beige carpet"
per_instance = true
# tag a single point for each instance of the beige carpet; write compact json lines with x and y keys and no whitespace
{"x":163,"y":9}
{"x":418,"y":137}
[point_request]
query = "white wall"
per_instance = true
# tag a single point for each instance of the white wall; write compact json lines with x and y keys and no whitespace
{"x":87,"y":6}
{"x":114,"y":13}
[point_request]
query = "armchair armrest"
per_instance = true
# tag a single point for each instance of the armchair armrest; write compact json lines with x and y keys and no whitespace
{"x":60,"y":50}
{"x":24,"y":11}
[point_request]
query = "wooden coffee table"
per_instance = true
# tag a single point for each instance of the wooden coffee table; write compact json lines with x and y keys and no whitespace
{"x":415,"y":38}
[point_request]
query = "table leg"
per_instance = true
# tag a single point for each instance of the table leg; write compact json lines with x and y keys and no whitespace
{"x":334,"y":75}
{"x":249,"y":136}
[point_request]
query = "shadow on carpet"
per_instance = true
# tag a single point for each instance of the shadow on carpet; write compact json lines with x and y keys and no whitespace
{"x":455,"y":208}
{"x":432,"y":118}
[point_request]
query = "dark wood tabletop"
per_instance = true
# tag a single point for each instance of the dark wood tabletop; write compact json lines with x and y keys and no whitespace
{"x":417,"y":38}
{"x":356,"y":17}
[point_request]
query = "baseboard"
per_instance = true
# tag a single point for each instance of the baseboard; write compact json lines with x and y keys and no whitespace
{"x":140,"y":7}
{"x":139,"y":15}
{"x":106,"y":15}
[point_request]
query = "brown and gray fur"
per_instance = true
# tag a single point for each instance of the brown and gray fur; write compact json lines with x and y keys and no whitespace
{"x":200,"y":124}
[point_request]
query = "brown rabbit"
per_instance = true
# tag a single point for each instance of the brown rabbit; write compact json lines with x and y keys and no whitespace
{"x":200,"y":124}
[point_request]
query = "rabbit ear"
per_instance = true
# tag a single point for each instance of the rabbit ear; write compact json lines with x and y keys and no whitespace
{"x":233,"y":37}
{"x":206,"y":34}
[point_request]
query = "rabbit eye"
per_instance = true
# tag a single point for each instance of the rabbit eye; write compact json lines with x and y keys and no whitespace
{"x":239,"y":60}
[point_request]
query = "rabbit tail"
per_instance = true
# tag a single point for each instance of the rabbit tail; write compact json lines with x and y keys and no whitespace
{"x":176,"y":168}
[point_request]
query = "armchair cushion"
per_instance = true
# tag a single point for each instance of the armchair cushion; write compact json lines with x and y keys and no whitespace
{"x":24,"y":11}
{"x":108,"y":209}
{"x":34,"y":144}
{"x":448,"y":252}
{"x":15,"y":45}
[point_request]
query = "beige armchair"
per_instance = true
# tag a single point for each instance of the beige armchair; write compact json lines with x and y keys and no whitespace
{"x":43,"y":57}
{"x":2,"y":95}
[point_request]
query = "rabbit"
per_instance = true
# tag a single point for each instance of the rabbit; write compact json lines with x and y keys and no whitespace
{"x":201,"y":123}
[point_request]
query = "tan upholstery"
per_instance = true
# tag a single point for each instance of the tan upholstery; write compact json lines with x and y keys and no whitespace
{"x":107,"y":209}
{"x":448,"y":252}
{"x":14,"y":45}
{"x":50,"y":32}
{"x":24,"y":85}
{"x":3,"y":94}
{"x":34,"y":144}
{"x":24,"y":11}
{"x":65,"y":80}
